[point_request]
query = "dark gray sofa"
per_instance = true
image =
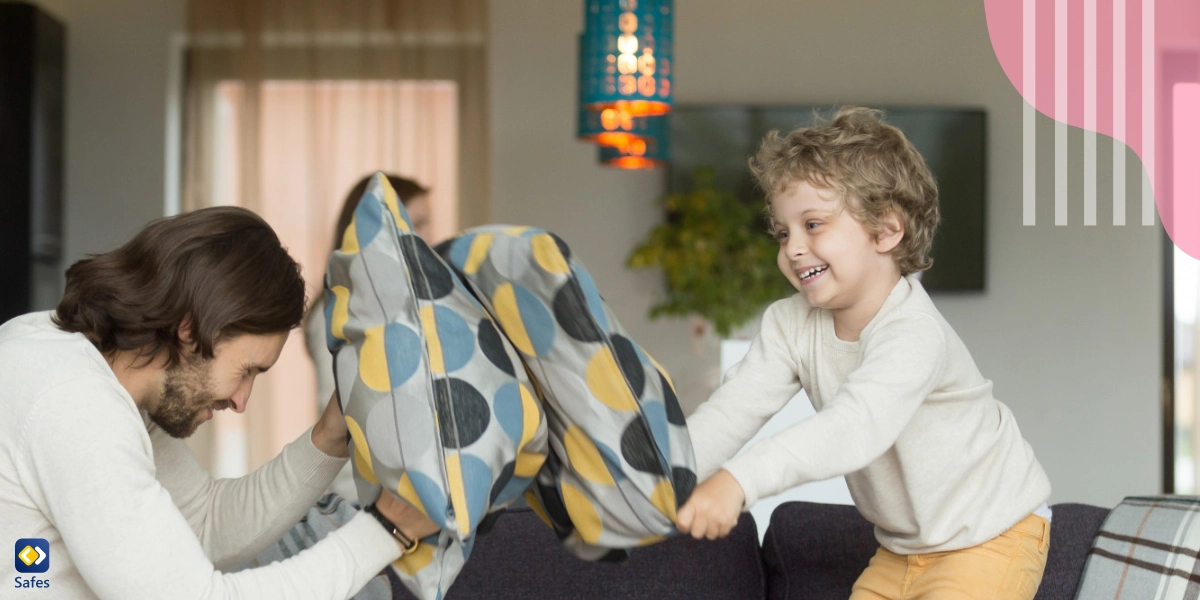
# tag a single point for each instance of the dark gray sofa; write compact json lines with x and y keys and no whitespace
{"x":810,"y":552}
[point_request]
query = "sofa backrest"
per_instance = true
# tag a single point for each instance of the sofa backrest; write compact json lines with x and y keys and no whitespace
{"x":817,"y":551}
{"x":522,"y":558}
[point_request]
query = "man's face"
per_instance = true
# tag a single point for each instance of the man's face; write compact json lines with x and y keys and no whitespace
{"x":196,"y":387}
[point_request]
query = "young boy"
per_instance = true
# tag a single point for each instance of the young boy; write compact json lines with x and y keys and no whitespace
{"x":935,"y":462}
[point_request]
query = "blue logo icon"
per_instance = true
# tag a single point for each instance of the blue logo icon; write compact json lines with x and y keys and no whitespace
{"x":32,"y":555}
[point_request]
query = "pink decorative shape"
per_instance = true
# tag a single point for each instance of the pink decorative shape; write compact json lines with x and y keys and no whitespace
{"x":1176,"y":32}
{"x":1187,"y":148}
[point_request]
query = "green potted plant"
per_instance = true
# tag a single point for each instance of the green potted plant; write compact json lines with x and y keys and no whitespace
{"x":716,"y":253}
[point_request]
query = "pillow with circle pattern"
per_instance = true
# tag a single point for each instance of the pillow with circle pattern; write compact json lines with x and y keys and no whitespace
{"x":438,"y":404}
{"x":621,"y":460}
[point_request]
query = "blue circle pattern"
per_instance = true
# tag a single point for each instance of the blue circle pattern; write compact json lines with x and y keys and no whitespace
{"x":611,"y":460}
{"x":458,"y":343}
{"x":431,"y":496}
{"x":539,"y":323}
{"x":402,"y":346}
{"x":655,"y":413}
{"x":368,"y":220}
{"x":594,"y":302}
{"x":509,"y":411}
{"x":460,"y":248}
{"x":515,"y":487}
{"x":477,"y":486}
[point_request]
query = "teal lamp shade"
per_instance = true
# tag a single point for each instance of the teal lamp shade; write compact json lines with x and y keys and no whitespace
{"x":651,"y":152}
{"x":611,"y":126}
{"x":627,"y":56}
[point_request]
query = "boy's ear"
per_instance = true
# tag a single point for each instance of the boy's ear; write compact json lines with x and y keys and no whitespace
{"x":892,"y":233}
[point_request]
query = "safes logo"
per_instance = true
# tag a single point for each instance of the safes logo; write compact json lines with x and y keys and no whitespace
{"x":32,"y":555}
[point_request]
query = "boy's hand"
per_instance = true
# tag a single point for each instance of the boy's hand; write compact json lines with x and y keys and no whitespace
{"x":712,"y":510}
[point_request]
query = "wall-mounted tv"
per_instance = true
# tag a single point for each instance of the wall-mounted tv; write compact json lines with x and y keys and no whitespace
{"x":953,"y":142}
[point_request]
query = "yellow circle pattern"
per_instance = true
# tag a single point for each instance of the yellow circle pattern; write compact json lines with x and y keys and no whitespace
{"x":607,"y":383}
{"x":408,"y":492}
{"x":362,"y":454}
{"x":664,"y":499}
{"x":478,"y":252}
{"x":429,"y":323}
{"x":585,"y":457}
{"x":548,"y":256}
{"x":583,"y":514}
{"x":341,"y":312}
{"x":458,"y":494}
{"x":509,"y":315}
{"x":350,"y":238}
{"x":409,"y":564}
{"x":372,"y":362}
{"x":389,"y":200}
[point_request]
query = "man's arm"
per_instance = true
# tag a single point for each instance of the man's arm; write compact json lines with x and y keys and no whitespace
{"x":235,"y":519}
{"x":88,"y":456}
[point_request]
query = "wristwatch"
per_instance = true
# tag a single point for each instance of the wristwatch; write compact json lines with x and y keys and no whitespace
{"x":408,"y":544}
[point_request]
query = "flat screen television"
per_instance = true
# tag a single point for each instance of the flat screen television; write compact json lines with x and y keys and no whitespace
{"x":953,"y":142}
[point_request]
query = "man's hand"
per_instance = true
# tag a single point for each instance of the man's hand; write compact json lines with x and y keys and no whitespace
{"x":712,"y":510}
{"x":405,"y":516}
{"x":329,"y":434}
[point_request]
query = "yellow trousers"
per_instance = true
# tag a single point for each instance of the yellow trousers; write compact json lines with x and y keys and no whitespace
{"x":1007,"y":567}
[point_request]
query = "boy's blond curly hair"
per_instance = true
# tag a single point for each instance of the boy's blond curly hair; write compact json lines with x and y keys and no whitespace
{"x":874,"y":167}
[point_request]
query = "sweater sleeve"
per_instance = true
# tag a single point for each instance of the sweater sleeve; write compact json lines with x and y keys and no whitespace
{"x":235,"y":519}
{"x":753,"y":391}
{"x":900,"y":367}
{"x":87,"y":452}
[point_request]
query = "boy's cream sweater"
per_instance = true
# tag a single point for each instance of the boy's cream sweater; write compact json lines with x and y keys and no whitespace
{"x":930,"y":457}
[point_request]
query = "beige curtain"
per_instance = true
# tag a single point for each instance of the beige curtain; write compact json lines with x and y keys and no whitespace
{"x":287,"y":104}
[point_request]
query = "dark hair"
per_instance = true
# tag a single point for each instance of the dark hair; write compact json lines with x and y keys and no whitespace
{"x":406,"y":190}
{"x":222,"y":267}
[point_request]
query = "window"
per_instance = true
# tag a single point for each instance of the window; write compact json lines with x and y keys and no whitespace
{"x":317,"y":138}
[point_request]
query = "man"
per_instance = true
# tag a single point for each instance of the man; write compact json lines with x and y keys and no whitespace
{"x":95,"y":397}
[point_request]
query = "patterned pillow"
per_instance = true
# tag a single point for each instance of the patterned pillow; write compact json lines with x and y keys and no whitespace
{"x":438,"y":404}
{"x":622,"y":460}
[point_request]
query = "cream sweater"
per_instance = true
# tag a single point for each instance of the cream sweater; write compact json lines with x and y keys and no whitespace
{"x":127,"y":510}
{"x":930,"y":456}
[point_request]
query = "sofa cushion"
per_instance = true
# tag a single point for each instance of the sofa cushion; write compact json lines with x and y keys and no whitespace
{"x":522,"y":559}
{"x":817,"y":551}
{"x":621,"y":460}
{"x":438,"y":406}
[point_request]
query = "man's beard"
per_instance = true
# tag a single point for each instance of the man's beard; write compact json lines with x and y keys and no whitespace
{"x":185,"y":393}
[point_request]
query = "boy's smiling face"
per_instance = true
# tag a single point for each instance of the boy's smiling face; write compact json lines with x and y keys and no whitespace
{"x":829,"y":255}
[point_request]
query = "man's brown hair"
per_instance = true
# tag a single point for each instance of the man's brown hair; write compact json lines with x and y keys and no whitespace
{"x":222,"y":268}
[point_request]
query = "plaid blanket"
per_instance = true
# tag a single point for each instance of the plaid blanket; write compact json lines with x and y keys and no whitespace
{"x":1147,"y":549}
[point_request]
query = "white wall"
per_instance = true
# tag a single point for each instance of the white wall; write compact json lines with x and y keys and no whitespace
{"x":1068,"y":328}
{"x":115,"y":117}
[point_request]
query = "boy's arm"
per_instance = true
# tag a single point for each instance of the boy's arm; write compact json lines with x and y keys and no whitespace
{"x":754,"y":390}
{"x":900,"y":368}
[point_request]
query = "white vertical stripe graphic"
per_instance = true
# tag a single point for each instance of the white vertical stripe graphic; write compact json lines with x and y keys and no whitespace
{"x":1119,"y":148}
{"x":1060,"y":112}
{"x":1148,"y":108}
{"x":1089,"y":112}
{"x":1029,"y":114}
